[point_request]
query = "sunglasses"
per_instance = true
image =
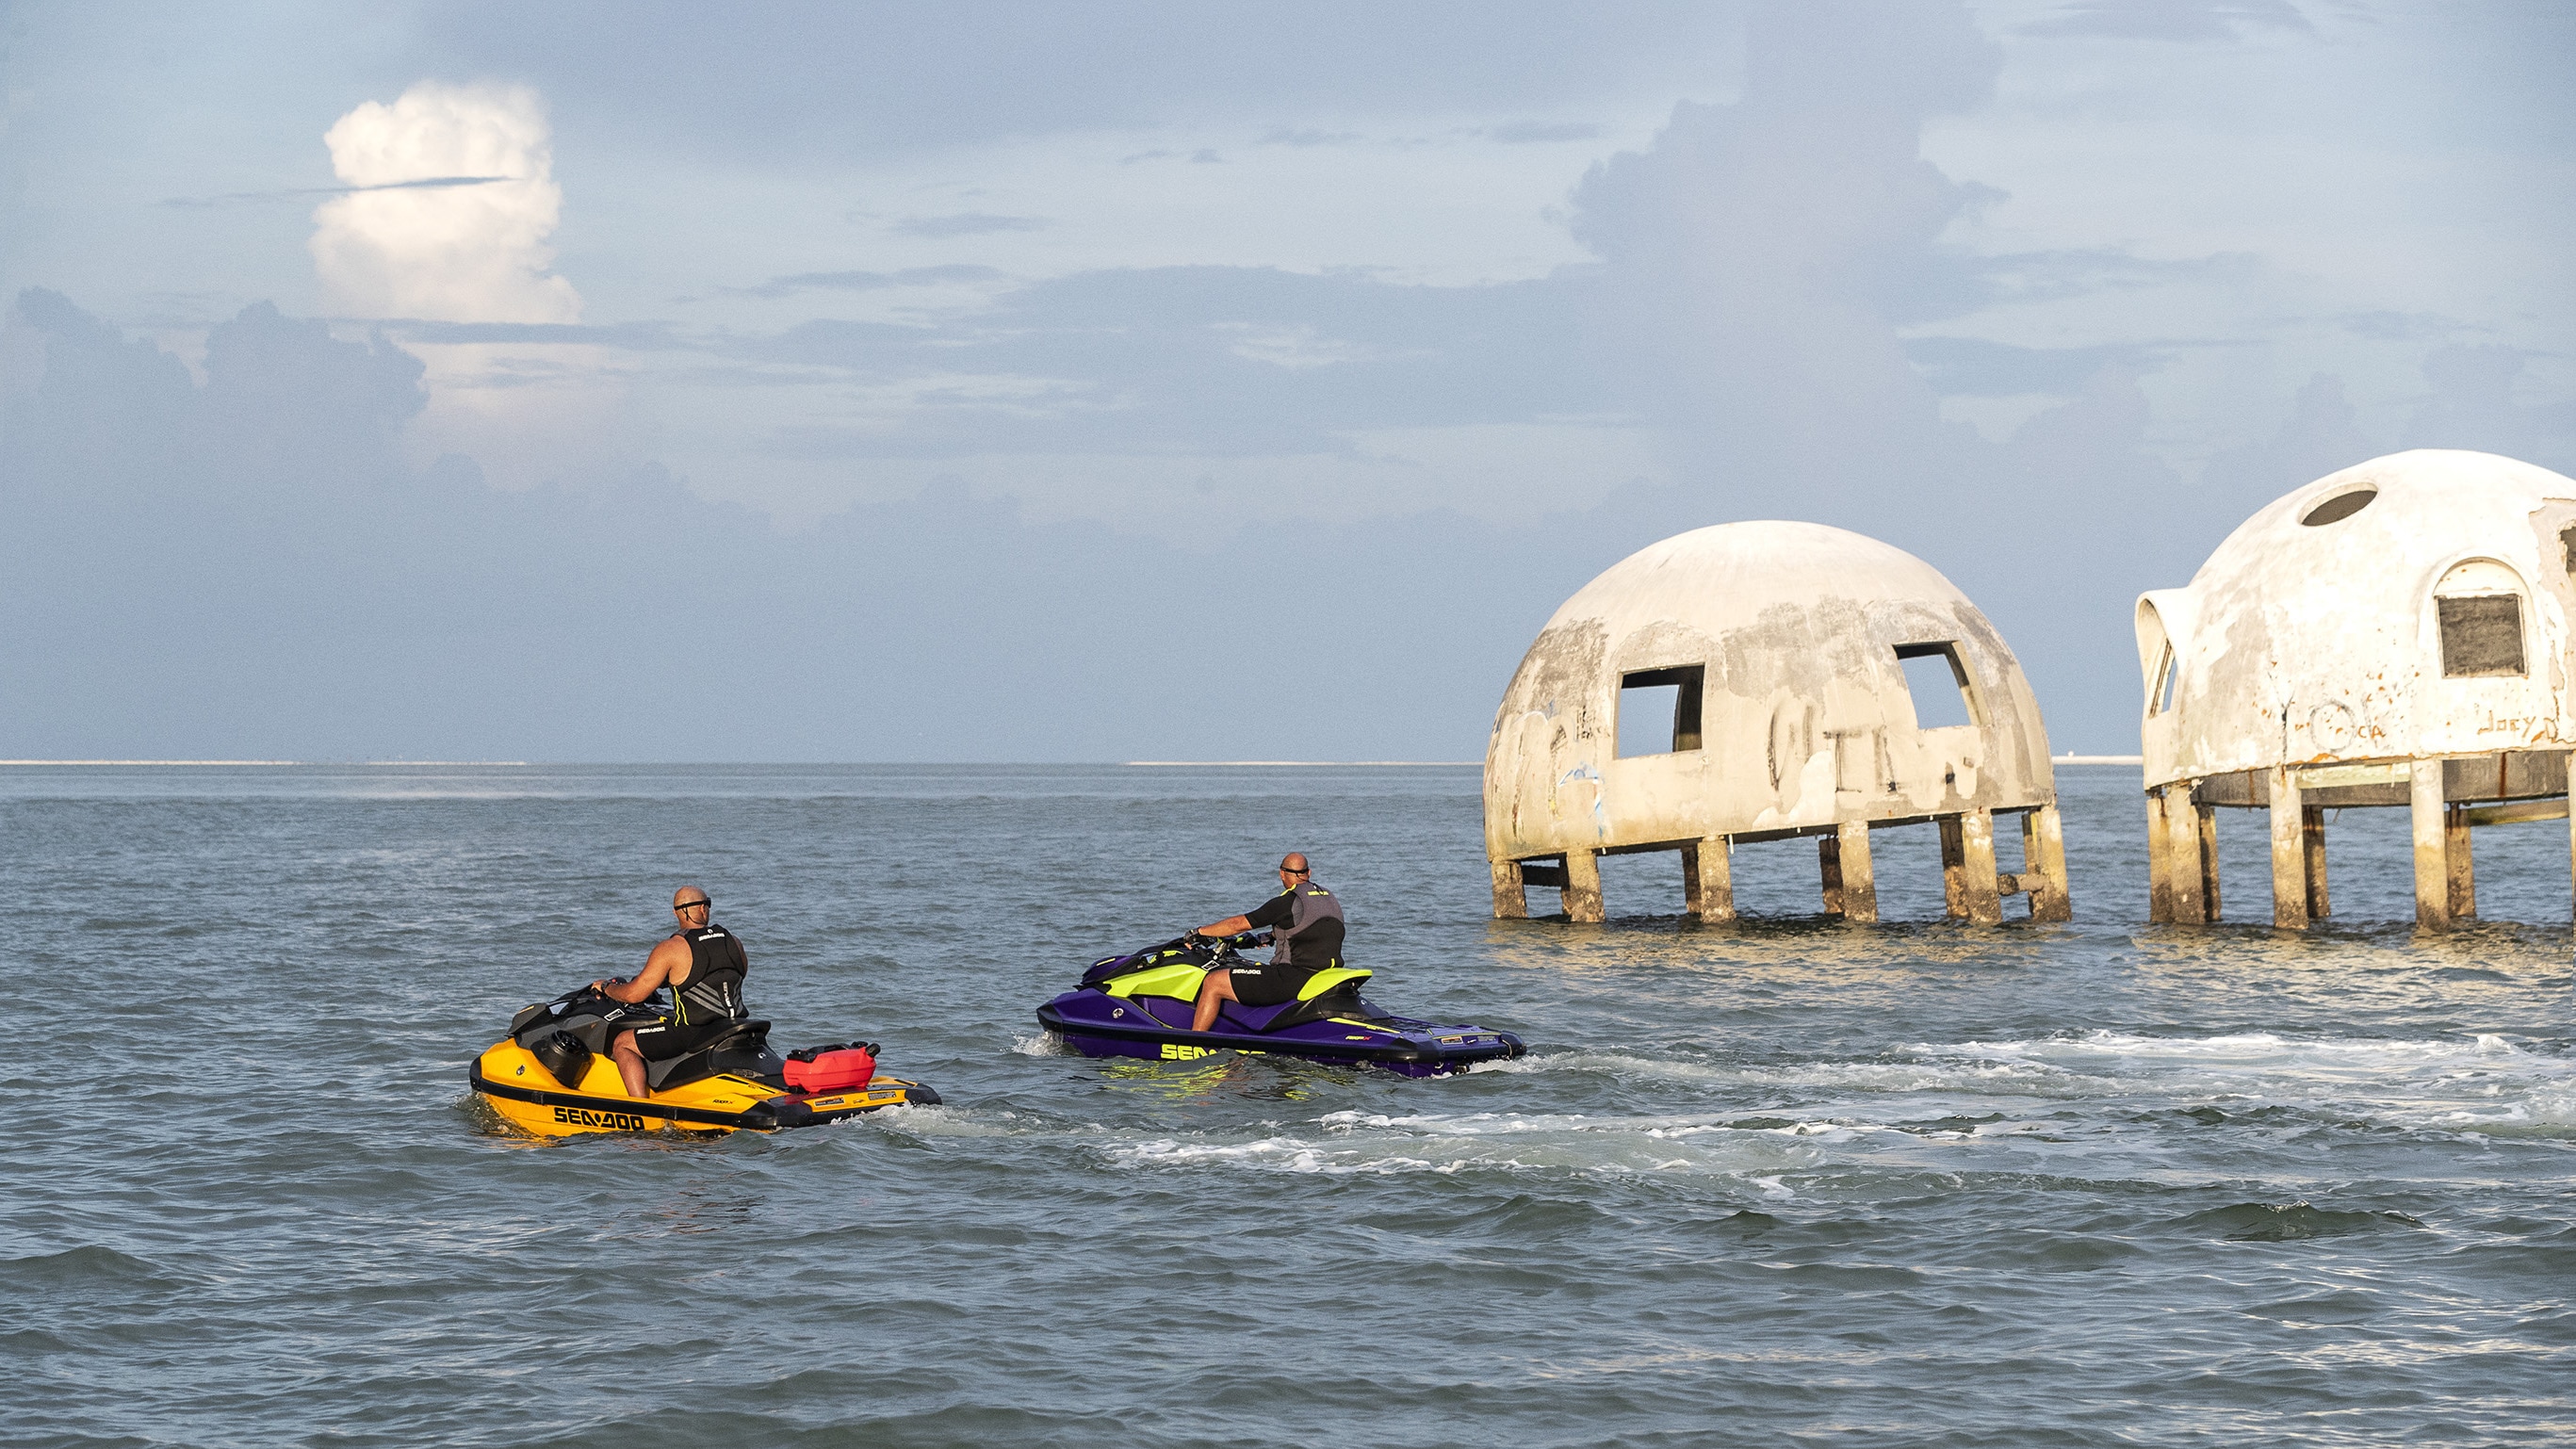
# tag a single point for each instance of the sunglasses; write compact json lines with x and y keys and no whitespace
{"x":693,"y":906}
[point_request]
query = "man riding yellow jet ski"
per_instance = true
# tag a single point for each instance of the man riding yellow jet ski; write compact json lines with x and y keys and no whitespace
{"x":552,"y":1076}
{"x":602,"y":1059}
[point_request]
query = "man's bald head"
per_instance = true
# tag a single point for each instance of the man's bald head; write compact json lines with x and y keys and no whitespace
{"x":687,"y":896}
{"x":1292,"y":864}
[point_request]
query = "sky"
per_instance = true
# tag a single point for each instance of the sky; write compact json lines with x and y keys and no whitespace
{"x":1033,"y":382}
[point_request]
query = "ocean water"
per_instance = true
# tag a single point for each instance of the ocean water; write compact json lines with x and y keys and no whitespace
{"x":1780,"y":1182}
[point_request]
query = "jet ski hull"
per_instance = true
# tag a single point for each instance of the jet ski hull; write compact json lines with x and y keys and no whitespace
{"x":1098,"y":1024}
{"x":529,"y":1097}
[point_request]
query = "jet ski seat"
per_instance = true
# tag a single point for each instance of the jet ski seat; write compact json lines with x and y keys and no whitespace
{"x":740,"y":1048}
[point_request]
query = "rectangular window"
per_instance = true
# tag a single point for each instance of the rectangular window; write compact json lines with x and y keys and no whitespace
{"x":1938,"y":681}
{"x":2481,"y":635}
{"x":1659,"y":710}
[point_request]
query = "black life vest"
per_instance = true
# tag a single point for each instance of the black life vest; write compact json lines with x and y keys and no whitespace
{"x":716,"y":968}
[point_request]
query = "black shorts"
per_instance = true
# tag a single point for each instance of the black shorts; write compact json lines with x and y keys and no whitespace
{"x":668,"y":1039}
{"x":1268,"y":985}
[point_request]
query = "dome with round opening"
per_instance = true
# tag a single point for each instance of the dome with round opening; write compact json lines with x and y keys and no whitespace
{"x":2301,"y":645}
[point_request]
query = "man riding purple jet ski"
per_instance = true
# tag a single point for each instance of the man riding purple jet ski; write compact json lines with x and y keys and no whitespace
{"x":1190,"y":997}
{"x":1305,"y":924}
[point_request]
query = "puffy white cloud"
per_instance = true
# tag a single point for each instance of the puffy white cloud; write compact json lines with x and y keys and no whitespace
{"x":453,"y":203}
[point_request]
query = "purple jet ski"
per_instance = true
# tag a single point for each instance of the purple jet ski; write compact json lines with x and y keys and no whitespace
{"x":1140,"y":1004}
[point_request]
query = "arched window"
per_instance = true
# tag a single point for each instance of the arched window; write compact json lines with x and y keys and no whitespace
{"x":2479,"y":606}
{"x":2156,"y":653}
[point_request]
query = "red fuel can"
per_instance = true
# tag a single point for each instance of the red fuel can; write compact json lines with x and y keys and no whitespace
{"x":831,"y":1069}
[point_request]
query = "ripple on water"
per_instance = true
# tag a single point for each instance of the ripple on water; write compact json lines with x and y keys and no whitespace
{"x":2267,"y":1222}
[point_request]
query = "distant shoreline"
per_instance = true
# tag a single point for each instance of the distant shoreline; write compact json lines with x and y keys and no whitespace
{"x":1123,"y":764}
{"x":520,"y":763}
{"x":1284,"y":764}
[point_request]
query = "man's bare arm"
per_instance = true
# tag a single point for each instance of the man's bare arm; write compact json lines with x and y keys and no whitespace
{"x":657,"y":969}
{"x":1230,"y":926}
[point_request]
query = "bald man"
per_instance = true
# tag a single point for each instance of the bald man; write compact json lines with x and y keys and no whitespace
{"x":703,"y":964}
{"x":1305,"y":924}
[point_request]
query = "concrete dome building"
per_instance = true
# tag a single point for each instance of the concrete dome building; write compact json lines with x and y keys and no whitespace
{"x":2393,"y":634}
{"x":1757,"y":681}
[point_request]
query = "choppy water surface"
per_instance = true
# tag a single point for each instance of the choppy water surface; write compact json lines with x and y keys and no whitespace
{"x":1779,"y":1182}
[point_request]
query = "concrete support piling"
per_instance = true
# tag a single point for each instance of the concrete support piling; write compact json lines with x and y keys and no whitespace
{"x":1582,"y":886}
{"x":2463,"y":874}
{"x":1511,"y":896}
{"x":2432,"y":840}
{"x":2205,"y":831}
{"x":1977,"y":848}
{"x":1708,"y":879}
{"x":2289,"y":852}
{"x":2043,"y":853}
{"x":2312,"y":856}
{"x":1852,"y":870}
{"x":2160,"y":906}
{"x":2183,"y":860}
{"x":1954,"y":868}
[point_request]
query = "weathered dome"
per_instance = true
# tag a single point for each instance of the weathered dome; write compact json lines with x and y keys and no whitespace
{"x":2412,"y":606}
{"x":1785,"y":647}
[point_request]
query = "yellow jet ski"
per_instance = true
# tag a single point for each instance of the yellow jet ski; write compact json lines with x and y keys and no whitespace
{"x":552,"y":1076}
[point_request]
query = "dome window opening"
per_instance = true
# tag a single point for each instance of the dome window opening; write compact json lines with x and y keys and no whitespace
{"x":2339,"y":507}
{"x":2479,"y":607}
{"x":1938,"y":683}
{"x":1659,"y":710}
{"x":2481,"y":637}
{"x":2160,"y":699}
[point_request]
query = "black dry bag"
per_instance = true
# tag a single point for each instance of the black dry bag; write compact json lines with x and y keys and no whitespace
{"x":563,"y":1055}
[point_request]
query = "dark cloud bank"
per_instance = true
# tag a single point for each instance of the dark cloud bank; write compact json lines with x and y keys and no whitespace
{"x":246,"y":566}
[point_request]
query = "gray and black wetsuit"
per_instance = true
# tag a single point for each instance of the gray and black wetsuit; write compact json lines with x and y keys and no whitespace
{"x":1305,"y":924}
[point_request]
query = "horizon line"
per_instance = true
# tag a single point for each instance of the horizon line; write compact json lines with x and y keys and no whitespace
{"x":1304,"y":764}
{"x":264,"y":762}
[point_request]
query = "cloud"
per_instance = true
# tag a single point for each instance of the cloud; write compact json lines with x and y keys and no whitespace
{"x":805,"y":82}
{"x":235,"y":198}
{"x":865,"y":281}
{"x":965,"y":223}
{"x":2473,"y":406}
{"x":1759,"y":256}
{"x":1974,"y":367}
{"x":2083,"y":271}
{"x":394,"y":610}
{"x":2173,"y":20}
{"x":394,"y":247}
{"x":2401,"y":326}
{"x":625,"y":336}
{"x":1219,"y":361}
{"x":1526,"y":133}
{"x":1307,"y":136}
